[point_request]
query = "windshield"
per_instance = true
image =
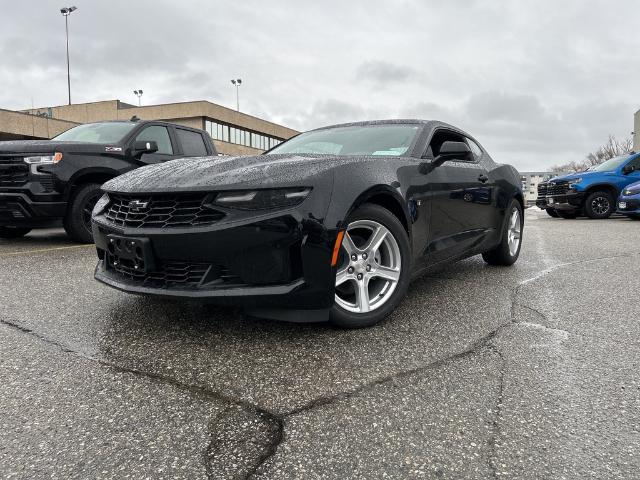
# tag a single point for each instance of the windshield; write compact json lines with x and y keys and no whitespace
{"x":110,"y":132}
{"x":391,"y":140}
{"x":611,"y":164}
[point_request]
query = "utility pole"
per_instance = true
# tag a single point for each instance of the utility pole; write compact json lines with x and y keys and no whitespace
{"x":237,"y":82}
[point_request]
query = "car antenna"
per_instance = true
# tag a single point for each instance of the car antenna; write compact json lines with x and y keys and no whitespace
{"x":135,"y":118}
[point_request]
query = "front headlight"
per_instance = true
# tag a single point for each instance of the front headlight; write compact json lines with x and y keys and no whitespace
{"x":101,"y":204}
{"x":44,"y":159}
{"x":574,"y":182}
{"x":262,"y":199}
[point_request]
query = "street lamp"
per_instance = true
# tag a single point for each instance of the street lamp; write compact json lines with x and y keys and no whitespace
{"x":237,"y":82}
{"x":66,"y":11}
{"x":138,"y":94}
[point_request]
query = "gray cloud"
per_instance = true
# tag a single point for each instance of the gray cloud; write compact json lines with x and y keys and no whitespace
{"x":537,"y":83}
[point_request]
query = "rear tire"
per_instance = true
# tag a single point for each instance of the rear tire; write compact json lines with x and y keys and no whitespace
{"x":599,"y":205}
{"x":552,"y":212}
{"x":379,"y":274}
{"x":567,"y":214}
{"x":508,"y":251}
{"x":13,"y":232}
{"x":77,"y":222}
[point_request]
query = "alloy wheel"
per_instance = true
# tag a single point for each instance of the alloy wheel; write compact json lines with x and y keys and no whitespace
{"x":514,"y":232}
{"x":600,"y":205}
{"x":369,"y":268}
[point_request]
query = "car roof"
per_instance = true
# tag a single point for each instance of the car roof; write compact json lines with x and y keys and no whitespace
{"x":431,"y":124}
{"x":144,"y":122}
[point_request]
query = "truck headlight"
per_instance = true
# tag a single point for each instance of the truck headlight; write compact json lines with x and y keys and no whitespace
{"x":262,"y":199}
{"x":44,"y":159}
{"x":574,"y":182}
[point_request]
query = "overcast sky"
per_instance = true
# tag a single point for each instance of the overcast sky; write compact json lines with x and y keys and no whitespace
{"x":537,"y":83}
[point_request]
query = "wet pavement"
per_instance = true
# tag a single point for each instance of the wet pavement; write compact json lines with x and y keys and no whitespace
{"x":482,"y":372}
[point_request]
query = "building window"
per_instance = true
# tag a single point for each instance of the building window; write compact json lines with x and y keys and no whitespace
{"x":240,"y":136}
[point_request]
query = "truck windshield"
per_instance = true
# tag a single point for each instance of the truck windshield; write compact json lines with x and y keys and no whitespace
{"x":610,"y":164}
{"x":108,"y":132}
{"x":390,"y":140}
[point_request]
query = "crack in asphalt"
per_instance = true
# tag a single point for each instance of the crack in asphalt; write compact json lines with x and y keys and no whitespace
{"x":279,"y":419}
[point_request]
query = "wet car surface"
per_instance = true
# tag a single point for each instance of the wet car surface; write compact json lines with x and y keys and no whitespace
{"x":525,"y":372}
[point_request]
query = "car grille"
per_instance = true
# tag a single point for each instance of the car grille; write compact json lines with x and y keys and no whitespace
{"x":542,"y":189}
{"x":173,"y":274}
{"x":557,"y":188}
{"x":13,"y":171}
{"x":160,"y":211}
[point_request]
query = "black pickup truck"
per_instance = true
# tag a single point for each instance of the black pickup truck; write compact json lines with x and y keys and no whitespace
{"x":46,"y":183}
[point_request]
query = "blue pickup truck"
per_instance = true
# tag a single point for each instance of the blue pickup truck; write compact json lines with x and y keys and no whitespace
{"x":593,"y":193}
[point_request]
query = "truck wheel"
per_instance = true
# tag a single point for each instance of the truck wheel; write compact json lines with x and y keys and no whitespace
{"x":508,"y":250}
{"x":13,"y":232}
{"x":566,"y":214}
{"x":552,"y":212}
{"x":77,"y":222}
{"x":599,"y":205}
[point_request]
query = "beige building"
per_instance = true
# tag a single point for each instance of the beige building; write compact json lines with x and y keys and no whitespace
{"x":234,"y":133}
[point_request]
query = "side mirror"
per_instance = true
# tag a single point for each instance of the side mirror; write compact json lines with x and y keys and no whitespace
{"x":140,"y":147}
{"x":453,"y":151}
{"x":627,"y":169}
{"x":448,"y":151}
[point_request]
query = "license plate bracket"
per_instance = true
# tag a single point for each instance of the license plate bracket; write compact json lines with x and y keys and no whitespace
{"x":133,"y":253}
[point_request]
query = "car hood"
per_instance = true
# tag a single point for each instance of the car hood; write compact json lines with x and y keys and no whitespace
{"x":202,"y":174}
{"x":50,"y":146}
{"x":573,"y":176}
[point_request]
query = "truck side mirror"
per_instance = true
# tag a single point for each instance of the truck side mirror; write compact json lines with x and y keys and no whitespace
{"x":140,"y":147}
{"x":627,"y":169}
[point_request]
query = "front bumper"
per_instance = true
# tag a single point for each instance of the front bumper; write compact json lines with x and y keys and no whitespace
{"x":277,"y":260}
{"x":21,"y":210}
{"x":570,"y":201}
{"x":629,"y":205}
{"x":541,"y":202}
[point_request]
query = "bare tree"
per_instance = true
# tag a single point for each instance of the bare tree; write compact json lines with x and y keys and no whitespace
{"x":613,"y":148}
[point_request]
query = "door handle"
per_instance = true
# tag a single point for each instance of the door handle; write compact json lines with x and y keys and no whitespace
{"x":483,"y":178}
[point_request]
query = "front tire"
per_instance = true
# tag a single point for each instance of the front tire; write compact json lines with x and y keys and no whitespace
{"x":77,"y":222}
{"x":599,"y":205}
{"x":508,"y":251}
{"x":13,"y":232}
{"x":552,"y":212}
{"x":373,"y":270}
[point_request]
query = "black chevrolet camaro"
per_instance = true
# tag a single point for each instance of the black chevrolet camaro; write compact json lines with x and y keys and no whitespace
{"x":329,"y":225}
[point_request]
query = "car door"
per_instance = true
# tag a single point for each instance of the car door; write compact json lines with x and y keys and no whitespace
{"x":192,"y":143}
{"x":167,"y":148}
{"x":461,"y":198}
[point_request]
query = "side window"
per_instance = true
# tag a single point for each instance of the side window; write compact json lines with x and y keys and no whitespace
{"x":192,"y":143}
{"x":635,"y":163}
{"x":475,"y":149}
{"x":158,"y":134}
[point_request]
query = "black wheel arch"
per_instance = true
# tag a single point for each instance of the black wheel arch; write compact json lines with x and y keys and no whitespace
{"x":607,"y":187}
{"x":386,"y":197}
{"x":83,"y":177}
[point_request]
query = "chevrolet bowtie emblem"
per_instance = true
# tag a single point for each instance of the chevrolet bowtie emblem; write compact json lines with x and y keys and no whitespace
{"x":137,"y":205}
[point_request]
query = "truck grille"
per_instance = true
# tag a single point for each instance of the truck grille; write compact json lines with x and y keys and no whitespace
{"x":557,"y":188}
{"x":542,"y":189}
{"x":13,"y":172}
{"x":160,"y":211}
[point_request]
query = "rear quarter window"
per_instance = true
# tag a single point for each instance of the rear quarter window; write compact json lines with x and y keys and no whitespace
{"x":192,"y":143}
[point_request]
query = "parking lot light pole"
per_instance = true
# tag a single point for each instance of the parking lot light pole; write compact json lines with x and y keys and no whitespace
{"x":138,"y":93}
{"x":237,"y":82}
{"x":66,"y":11}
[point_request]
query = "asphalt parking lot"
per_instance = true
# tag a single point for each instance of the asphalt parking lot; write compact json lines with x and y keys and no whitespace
{"x":483,"y":372}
